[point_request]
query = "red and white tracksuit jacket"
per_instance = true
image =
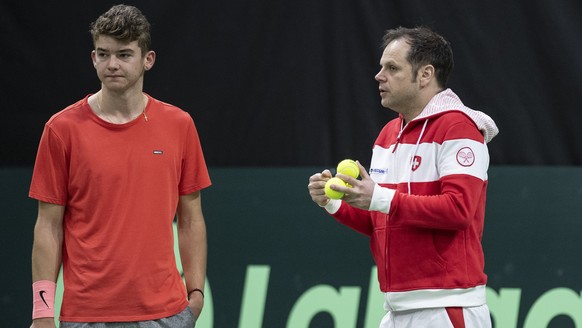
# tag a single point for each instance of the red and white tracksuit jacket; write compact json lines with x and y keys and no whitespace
{"x":426,"y":218}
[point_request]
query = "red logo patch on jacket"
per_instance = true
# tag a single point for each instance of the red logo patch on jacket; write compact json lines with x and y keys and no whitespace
{"x":416,"y":160}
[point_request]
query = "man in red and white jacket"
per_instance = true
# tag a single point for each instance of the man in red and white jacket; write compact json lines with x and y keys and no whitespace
{"x":423,"y":201}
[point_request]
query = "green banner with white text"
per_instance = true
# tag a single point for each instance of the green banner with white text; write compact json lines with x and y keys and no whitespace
{"x":275,"y":259}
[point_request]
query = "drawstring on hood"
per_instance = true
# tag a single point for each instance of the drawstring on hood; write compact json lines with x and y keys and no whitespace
{"x":415,"y":152}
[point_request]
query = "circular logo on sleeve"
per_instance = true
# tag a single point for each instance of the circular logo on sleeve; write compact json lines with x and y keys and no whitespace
{"x":465,"y":156}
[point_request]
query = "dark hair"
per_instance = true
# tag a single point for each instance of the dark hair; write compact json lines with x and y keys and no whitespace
{"x":426,"y":47}
{"x":124,"y":23}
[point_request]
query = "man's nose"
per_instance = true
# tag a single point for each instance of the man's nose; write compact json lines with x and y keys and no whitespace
{"x":113,"y":63}
{"x":378,"y":77}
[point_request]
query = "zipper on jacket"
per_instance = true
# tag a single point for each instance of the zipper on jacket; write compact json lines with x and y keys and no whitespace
{"x":386,"y":265}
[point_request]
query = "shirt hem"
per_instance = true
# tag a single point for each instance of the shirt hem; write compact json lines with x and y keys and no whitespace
{"x":41,"y":198}
{"x":124,"y":318}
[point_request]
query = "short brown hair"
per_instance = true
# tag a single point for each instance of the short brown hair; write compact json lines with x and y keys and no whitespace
{"x":125,"y":24}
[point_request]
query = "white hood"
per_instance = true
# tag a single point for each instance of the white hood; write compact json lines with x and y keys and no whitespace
{"x":447,"y":100}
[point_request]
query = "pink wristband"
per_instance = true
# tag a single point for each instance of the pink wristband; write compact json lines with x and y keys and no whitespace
{"x":43,"y":299}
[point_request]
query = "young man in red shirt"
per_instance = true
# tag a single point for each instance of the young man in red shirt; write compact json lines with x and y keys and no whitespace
{"x":112,"y":172}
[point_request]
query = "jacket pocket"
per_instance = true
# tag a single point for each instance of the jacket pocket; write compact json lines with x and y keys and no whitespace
{"x":414,"y":262}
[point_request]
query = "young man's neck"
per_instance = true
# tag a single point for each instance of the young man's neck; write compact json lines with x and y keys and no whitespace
{"x":119,"y":108}
{"x":127,"y":102}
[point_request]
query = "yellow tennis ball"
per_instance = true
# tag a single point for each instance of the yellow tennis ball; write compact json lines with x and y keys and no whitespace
{"x":349,"y":168}
{"x":332,"y":193}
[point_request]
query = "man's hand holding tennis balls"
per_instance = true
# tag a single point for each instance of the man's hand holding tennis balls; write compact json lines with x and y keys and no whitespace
{"x":358,"y":194}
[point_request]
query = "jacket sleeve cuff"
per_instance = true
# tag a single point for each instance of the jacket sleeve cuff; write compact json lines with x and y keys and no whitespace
{"x":333,"y":206}
{"x":381,"y":199}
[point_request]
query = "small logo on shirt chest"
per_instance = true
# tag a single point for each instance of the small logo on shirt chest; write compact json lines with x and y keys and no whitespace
{"x":416,"y":160}
{"x":158,"y":152}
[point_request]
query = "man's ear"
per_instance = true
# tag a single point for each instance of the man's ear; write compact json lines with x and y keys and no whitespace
{"x":149,"y":60}
{"x":426,"y":75}
{"x":93,"y":59}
